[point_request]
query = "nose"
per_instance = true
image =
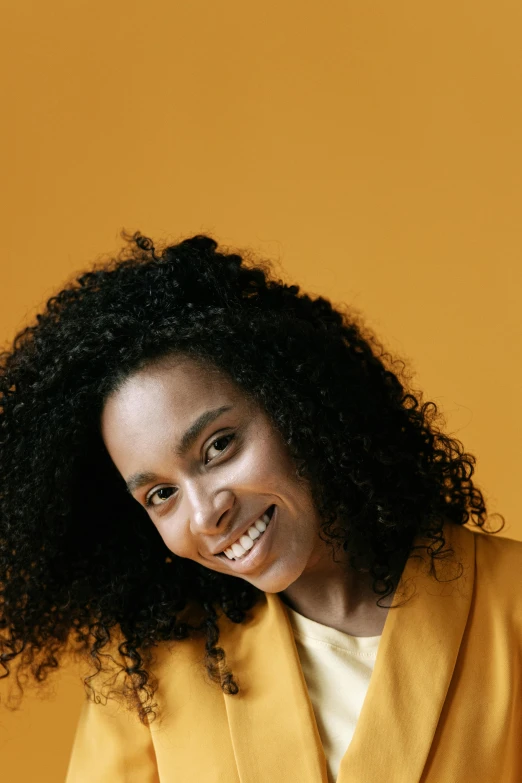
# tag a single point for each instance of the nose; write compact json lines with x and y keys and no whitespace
{"x":208,"y":513}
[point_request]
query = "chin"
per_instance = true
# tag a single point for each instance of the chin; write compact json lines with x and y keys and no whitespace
{"x":275,"y":582}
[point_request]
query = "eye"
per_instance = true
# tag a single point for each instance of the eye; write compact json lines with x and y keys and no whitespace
{"x":162,"y":494}
{"x":223,"y":439}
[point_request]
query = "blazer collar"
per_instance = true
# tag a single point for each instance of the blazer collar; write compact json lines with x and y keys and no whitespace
{"x":272,"y":724}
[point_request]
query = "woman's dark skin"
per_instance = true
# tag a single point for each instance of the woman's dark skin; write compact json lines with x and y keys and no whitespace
{"x":236,"y":467}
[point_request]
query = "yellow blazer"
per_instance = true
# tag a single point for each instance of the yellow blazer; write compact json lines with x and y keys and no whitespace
{"x":444,"y":704}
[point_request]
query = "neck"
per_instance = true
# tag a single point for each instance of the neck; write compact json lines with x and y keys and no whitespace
{"x":331,"y":593}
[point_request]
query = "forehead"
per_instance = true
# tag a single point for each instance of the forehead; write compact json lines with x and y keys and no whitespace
{"x":169,"y":392}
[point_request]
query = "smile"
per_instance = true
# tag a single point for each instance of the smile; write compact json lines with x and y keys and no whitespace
{"x":247,"y":550}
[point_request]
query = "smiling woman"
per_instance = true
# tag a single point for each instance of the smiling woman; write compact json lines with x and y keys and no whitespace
{"x":207,"y":471}
{"x":207,"y":487}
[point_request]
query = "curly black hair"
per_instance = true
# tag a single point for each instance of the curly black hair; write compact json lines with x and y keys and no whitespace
{"x":76,"y":565}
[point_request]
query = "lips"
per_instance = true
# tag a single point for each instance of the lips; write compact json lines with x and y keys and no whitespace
{"x":239,"y":533}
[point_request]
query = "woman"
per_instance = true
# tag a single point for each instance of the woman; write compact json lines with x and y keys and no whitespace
{"x":221,"y":493}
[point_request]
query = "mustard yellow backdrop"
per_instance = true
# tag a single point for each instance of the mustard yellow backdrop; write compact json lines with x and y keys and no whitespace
{"x":373,"y":149}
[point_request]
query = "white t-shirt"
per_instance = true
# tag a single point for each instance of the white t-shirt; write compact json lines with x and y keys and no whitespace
{"x":337,"y":669}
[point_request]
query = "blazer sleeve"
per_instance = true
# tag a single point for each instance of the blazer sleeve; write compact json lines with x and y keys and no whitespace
{"x":111,"y":745}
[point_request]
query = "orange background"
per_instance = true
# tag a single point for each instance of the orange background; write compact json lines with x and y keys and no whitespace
{"x":373,"y":149}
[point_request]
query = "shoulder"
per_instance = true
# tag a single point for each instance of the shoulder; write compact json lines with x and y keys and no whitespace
{"x":498,"y":555}
{"x":498,"y":574}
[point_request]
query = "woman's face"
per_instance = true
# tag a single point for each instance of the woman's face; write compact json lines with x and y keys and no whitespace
{"x":207,"y":464}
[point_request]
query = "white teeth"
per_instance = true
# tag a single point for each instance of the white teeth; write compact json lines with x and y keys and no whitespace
{"x":246,"y":542}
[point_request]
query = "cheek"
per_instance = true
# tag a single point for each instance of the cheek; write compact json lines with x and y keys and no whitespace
{"x":253,"y":466}
{"x":267,"y":464}
{"x":178,"y":541}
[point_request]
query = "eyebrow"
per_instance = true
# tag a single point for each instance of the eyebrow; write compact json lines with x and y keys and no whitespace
{"x":188,"y":438}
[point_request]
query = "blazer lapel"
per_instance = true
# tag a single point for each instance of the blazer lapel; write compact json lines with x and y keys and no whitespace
{"x":272,"y":724}
{"x":271,"y":721}
{"x":414,"y":666}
